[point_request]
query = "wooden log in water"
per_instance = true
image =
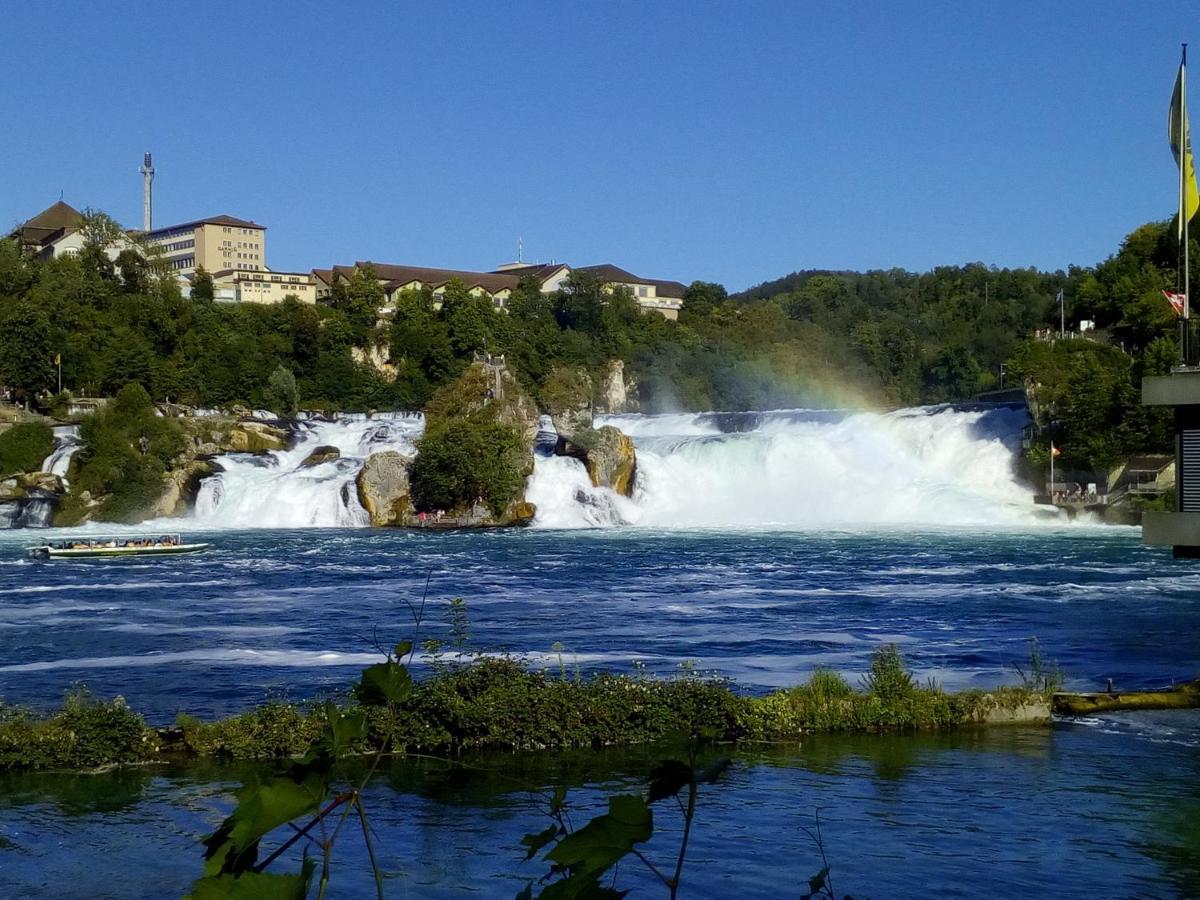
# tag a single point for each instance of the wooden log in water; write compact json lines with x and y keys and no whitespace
{"x":1183,"y":696}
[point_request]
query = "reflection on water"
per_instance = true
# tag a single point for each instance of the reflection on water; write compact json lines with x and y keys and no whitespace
{"x":1073,"y":811}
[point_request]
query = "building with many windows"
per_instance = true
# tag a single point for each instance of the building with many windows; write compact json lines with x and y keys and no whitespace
{"x":215,"y":244}
{"x":652,"y":295}
{"x":240,"y":286}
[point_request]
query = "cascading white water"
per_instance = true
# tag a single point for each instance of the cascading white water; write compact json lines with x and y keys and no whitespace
{"x":274,"y":490}
{"x":802,"y":469}
{"x":66,"y":443}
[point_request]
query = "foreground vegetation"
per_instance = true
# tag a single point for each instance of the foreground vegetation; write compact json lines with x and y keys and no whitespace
{"x":499,"y":703}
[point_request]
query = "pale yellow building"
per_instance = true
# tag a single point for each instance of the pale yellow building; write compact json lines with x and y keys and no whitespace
{"x":234,"y":286}
{"x":216,"y":244}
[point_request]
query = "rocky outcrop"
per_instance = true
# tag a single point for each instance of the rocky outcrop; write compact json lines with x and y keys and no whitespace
{"x":616,"y":391}
{"x":27,"y":484}
{"x":322,"y":454}
{"x":375,"y":356}
{"x":612,"y":461}
{"x":250,"y":436}
{"x":567,"y":395}
{"x":609,"y":455}
{"x":180,"y":487}
{"x":383,"y":488}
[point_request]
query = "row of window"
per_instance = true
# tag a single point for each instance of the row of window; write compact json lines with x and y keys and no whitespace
{"x":228,"y":229}
{"x":184,"y":262}
{"x":180,"y":245}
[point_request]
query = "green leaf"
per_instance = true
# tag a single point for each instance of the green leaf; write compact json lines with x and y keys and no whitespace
{"x":668,"y":778}
{"x":607,"y":838}
{"x":383,"y":683}
{"x":261,"y":809}
{"x":536,"y":842}
{"x":343,"y":729}
{"x":403,"y":649}
{"x":580,"y":886}
{"x":254,"y":886}
{"x":527,"y":893}
{"x":816,"y":884}
{"x":713,"y":771}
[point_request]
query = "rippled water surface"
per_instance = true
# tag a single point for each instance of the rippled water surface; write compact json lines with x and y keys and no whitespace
{"x":1104,"y":807}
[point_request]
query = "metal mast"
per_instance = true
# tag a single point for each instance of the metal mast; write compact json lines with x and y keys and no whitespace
{"x":147,"y":171}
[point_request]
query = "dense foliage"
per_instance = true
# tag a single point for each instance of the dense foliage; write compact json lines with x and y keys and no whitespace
{"x":125,"y":450}
{"x":24,"y":446}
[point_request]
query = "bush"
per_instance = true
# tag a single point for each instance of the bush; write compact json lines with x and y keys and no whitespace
{"x":282,"y":395}
{"x":86,"y":732}
{"x":24,"y":447}
{"x":888,"y":679}
{"x":462,"y":461}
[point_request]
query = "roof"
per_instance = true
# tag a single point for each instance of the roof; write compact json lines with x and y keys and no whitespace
{"x":323,"y":275}
{"x":398,"y":276}
{"x":51,"y":223}
{"x":212,"y":220}
{"x":1151,"y":462}
{"x":541,"y":271}
{"x":671,"y":290}
{"x":610,"y":273}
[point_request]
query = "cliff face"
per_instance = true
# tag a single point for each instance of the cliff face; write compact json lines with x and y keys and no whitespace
{"x":607,"y":452}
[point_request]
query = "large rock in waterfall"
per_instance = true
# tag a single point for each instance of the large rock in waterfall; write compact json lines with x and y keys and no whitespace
{"x":250,"y":436}
{"x":609,"y":455}
{"x":384,"y":490}
{"x":612,"y":461}
{"x":323,"y":454}
{"x":180,"y":487}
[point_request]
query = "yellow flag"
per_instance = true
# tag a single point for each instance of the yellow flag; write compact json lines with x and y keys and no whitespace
{"x":1177,"y":132}
{"x":58,"y":359}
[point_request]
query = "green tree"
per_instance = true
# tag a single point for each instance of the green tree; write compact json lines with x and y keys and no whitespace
{"x":282,"y":395}
{"x":27,"y":351}
{"x":202,"y":286}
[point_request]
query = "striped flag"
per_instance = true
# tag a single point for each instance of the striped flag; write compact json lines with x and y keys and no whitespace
{"x":1178,"y":301}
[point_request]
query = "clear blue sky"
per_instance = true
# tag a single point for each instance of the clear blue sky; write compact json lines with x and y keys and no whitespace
{"x":733,"y":142}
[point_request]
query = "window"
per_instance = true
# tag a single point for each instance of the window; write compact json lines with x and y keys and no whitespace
{"x":643,"y":291}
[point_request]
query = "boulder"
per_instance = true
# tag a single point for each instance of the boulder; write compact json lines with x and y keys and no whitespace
{"x":383,"y":488}
{"x":42,"y":481}
{"x":612,"y":462}
{"x":609,"y":455}
{"x":322,"y":454}
{"x":254,"y":437}
{"x":11,"y":489}
{"x":180,"y":487}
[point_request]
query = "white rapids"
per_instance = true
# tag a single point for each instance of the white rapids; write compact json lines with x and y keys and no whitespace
{"x":274,"y":490}
{"x":936,"y":466}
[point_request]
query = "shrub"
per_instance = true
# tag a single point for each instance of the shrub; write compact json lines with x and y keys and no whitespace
{"x":24,"y":447}
{"x":462,"y":461}
{"x":888,"y":679}
{"x":282,"y":395}
{"x":86,"y":732}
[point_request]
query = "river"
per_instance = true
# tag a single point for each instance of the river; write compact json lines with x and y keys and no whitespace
{"x":1107,"y":806}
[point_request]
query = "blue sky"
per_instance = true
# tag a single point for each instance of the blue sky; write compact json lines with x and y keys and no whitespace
{"x":733,"y":142}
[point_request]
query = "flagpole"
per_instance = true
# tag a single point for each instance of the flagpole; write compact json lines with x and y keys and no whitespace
{"x":1183,"y":157}
{"x":1052,"y":473}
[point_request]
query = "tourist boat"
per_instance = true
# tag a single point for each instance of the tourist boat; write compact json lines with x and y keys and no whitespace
{"x":127,"y":545}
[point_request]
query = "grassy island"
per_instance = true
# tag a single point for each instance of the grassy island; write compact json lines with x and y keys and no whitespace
{"x":500,"y":703}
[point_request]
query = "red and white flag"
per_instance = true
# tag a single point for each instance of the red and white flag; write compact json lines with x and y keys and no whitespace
{"x":1177,"y":301}
{"x":1054,"y":451}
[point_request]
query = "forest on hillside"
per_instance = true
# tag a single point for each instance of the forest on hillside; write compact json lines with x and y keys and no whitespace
{"x":813,"y":338}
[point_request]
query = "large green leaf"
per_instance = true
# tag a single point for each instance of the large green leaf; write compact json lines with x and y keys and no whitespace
{"x":383,"y":683}
{"x":343,"y":729}
{"x":607,"y":838}
{"x":254,"y":886}
{"x":536,"y":842}
{"x":260,"y":810}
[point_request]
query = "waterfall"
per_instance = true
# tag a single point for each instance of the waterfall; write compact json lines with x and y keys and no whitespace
{"x":274,"y":490}
{"x":935,"y":466}
{"x":66,"y":443}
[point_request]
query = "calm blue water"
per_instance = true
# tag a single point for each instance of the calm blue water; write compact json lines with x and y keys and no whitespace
{"x":1104,"y":807}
